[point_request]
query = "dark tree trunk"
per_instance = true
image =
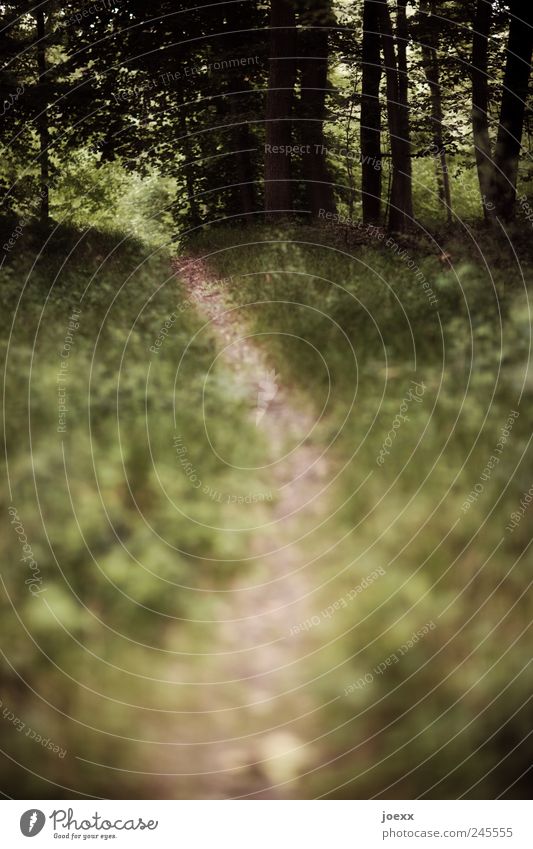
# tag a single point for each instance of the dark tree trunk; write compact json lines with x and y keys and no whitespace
{"x":511,"y":124}
{"x":190,"y":188}
{"x":282,"y":72}
{"x":480,"y":100}
{"x":430,"y":59}
{"x":431,"y":69}
{"x":42,"y":119}
{"x":401,"y":203}
{"x":314,"y":79}
{"x":238,"y":100}
{"x":402,"y":36}
{"x":244,"y":144}
{"x":241,"y":174}
{"x":370,"y":137}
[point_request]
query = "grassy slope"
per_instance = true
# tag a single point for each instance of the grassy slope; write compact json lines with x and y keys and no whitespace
{"x":88,"y":497}
{"x":442,"y":564}
{"x":421,"y":485}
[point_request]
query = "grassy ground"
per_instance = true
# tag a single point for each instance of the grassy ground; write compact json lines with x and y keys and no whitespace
{"x":351,"y":331}
{"x":114,"y":515}
{"x":405,"y":505}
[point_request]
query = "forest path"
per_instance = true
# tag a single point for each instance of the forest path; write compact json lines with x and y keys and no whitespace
{"x":263,"y":735}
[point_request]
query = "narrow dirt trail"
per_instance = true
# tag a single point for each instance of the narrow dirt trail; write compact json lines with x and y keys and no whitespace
{"x":255,"y":649}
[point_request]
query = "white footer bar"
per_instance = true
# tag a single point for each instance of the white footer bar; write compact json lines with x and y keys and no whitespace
{"x":267,"y":824}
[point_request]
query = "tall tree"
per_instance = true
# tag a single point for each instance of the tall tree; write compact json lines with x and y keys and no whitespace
{"x":498,"y":174}
{"x":238,"y":102}
{"x":316,"y":18}
{"x":188,"y":171}
{"x":429,"y":43}
{"x":42,"y":117}
{"x":395,"y":56}
{"x":513,"y":106}
{"x":480,"y":98}
{"x":282,"y":74}
{"x":243,"y":143}
{"x":370,"y":133}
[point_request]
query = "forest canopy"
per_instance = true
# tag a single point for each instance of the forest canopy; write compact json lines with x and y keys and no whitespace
{"x":372,"y":108}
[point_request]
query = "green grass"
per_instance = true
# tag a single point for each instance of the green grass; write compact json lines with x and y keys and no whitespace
{"x":111,"y":489}
{"x":443,"y":563}
{"x":120,"y":533}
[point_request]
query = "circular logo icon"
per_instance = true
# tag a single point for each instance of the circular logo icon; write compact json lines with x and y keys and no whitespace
{"x":32,"y":822}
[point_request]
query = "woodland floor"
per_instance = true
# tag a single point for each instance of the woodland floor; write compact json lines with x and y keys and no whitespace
{"x":258,"y":725}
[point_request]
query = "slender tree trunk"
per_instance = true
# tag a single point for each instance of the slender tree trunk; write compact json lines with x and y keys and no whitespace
{"x":241,"y":172}
{"x":401,"y":204}
{"x":480,"y":100}
{"x":431,"y":69}
{"x":245,"y":143}
{"x":239,"y":96}
{"x":402,"y":36}
{"x":42,"y":120}
{"x":511,"y":123}
{"x":314,"y":53}
{"x":190,"y":188}
{"x":348,"y":158}
{"x":430,"y":59}
{"x":282,"y":72}
{"x":370,"y":138}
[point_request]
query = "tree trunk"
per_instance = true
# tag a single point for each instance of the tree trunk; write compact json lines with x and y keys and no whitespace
{"x":402,"y":36}
{"x":244,"y":144}
{"x":430,"y":59}
{"x":282,"y":72}
{"x":401,"y":204}
{"x":314,"y":50}
{"x":314,"y":53}
{"x":238,"y":100}
{"x":240,"y":177}
{"x":511,"y":124}
{"x":480,"y":100}
{"x":190,"y":187}
{"x":42,"y":118}
{"x":370,"y":137}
